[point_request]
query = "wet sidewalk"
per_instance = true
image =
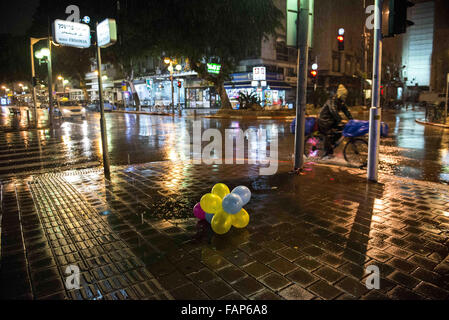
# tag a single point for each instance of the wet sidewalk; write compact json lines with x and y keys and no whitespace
{"x":310,"y":236}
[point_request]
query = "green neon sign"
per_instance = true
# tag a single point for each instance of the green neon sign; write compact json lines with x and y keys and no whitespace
{"x":214,"y":68}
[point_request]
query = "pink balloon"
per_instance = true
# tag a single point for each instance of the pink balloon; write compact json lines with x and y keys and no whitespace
{"x":199,"y":212}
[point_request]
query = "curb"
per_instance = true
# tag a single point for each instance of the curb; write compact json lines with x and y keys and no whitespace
{"x":444,"y":126}
{"x":144,"y":113}
{"x":252,"y":117}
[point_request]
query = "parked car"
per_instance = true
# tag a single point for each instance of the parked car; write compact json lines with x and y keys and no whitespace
{"x":70,"y":110}
{"x":95,"y":106}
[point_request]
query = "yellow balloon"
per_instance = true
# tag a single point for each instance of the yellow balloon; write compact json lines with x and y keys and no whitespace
{"x":241,"y":219}
{"x":221,"y":190}
{"x":211,"y":203}
{"x":221,"y":223}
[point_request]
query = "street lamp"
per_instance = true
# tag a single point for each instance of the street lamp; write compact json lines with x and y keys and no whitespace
{"x":44,"y":56}
{"x":170,"y":68}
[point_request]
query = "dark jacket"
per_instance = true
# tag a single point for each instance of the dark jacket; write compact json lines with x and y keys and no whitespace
{"x":329,"y":116}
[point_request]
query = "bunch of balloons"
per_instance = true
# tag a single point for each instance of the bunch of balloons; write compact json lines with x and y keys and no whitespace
{"x":223,"y":209}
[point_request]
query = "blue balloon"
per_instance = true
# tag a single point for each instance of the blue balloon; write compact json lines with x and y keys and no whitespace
{"x":232,"y":203}
{"x":244,"y":193}
{"x":209,"y":217}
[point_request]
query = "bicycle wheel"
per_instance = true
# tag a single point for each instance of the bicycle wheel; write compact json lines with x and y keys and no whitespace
{"x":356,"y":153}
{"x":314,"y":147}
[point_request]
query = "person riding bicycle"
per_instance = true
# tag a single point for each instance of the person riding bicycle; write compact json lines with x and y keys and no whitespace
{"x":329,"y":120}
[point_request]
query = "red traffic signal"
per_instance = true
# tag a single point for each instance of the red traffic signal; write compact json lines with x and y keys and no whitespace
{"x":179,"y":84}
{"x":341,"y":43}
{"x":314,"y":73}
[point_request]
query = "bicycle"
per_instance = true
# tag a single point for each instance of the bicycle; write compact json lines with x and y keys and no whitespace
{"x":355,"y":151}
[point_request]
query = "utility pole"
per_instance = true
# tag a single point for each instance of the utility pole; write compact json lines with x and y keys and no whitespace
{"x":301,"y":97}
{"x":375,"y":112}
{"x":104,"y":139}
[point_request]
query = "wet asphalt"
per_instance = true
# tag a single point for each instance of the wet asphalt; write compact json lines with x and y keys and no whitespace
{"x":411,"y":150}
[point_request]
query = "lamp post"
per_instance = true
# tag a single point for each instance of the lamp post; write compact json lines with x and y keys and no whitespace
{"x":179,"y":69}
{"x":170,"y":68}
{"x":33,"y":41}
{"x":44,"y":56}
{"x":61,"y":78}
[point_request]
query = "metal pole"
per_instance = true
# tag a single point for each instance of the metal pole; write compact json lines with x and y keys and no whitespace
{"x":365,"y":58}
{"x":447,"y":98}
{"x":172,"y":90}
{"x":50,"y":84}
{"x":375,"y":112}
{"x":33,"y":75}
{"x":303,"y":57}
{"x":104,"y":139}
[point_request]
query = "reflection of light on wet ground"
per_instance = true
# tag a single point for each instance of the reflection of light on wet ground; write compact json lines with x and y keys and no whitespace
{"x":87,"y":142}
{"x":445,"y":165}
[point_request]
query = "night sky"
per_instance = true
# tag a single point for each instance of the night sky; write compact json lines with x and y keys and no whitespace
{"x":16,"y":15}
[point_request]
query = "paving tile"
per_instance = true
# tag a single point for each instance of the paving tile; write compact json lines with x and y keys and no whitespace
{"x":302,"y":277}
{"x":231,"y":274}
{"x":404,"y":279}
{"x":266,"y":256}
{"x":401,"y":293}
{"x":189,"y":292}
{"x":329,"y":274}
{"x":282,"y":266}
{"x":257,"y":270}
{"x":324,"y":290}
{"x":248,"y":286}
{"x":275,"y":281}
{"x":216,"y":289}
{"x":266,"y":295}
{"x":431,"y":291}
{"x":308,"y":263}
{"x":352,"y":286}
{"x":289,"y":254}
{"x":295,"y":292}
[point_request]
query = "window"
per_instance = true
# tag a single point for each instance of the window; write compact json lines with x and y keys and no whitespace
{"x":336,"y":61}
{"x":281,"y":51}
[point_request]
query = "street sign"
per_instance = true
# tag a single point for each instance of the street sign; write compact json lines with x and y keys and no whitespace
{"x":214,"y":68}
{"x":292,"y":17}
{"x":259,"y":74}
{"x":254,"y":83}
{"x":71,"y":34}
{"x":106,"y":33}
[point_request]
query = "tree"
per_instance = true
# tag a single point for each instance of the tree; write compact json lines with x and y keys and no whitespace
{"x":204,"y":31}
{"x":14,"y":60}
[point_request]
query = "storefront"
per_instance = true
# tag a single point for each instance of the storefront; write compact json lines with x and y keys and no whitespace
{"x":272,"y":93}
{"x":201,"y":95}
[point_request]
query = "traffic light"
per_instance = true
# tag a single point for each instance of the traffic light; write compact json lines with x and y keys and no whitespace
{"x":34,"y":82}
{"x":314,"y":74}
{"x":398,"y":22}
{"x":341,"y":39}
{"x":179,"y":84}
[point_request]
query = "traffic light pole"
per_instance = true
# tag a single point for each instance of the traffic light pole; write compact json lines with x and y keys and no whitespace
{"x":104,"y":139}
{"x":33,"y":76}
{"x":303,"y":57}
{"x":375,"y":112}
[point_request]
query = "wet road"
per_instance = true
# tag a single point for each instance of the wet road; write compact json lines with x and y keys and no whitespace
{"x":412,"y":150}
